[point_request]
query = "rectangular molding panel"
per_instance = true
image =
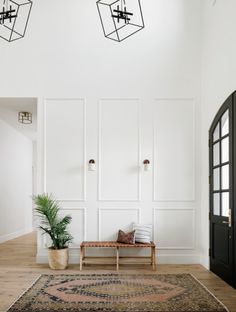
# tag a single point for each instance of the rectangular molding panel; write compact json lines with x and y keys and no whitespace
{"x":110,"y":220}
{"x":174,"y":229}
{"x":174,"y":150}
{"x":119,"y":150}
{"x":64,"y":148}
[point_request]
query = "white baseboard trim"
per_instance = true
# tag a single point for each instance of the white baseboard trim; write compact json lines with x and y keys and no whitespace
{"x":42,"y":258}
{"x":205,"y":261}
{"x":178,"y":259}
{"x":7,"y":237}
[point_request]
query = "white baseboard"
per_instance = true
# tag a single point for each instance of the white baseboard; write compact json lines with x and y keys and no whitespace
{"x":178,"y":259}
{"x":42,"y":258}
{"x":7,"y":237}
{"x":205,"y":261}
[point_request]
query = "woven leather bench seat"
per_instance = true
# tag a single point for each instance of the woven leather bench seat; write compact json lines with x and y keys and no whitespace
{"x":111,"y":244}
{"x":117,"y":246}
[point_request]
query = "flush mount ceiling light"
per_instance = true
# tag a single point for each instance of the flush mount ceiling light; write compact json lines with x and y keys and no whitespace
{"x":120,"y":18}
{"x":14,"y":17}
{"x":25,"y":117}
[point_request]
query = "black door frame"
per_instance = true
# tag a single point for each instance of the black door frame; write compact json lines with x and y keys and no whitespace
{"x":229,"y":104}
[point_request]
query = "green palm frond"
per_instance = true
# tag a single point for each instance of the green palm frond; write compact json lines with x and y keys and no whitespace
{"x":47,"y":208}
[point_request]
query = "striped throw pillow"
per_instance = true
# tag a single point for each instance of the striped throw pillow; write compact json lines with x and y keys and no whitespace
{"x":143,"y":233}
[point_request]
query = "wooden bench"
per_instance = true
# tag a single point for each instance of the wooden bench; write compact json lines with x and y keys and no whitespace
{"x":115,"y":245}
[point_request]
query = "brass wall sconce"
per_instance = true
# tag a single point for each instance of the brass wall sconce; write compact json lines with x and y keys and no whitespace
{"x":146,"y":165}
{"x":92,"y":165}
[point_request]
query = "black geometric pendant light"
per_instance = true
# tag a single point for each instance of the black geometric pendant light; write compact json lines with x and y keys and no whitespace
{"x":14,"y":17}
{"x":25,"y":117}
{"x":120,"y":18}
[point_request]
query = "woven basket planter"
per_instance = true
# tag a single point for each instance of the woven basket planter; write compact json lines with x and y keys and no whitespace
{"x":58,"y":258}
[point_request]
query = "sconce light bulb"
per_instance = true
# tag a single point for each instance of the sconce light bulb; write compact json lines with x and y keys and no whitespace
{"x":92,"y":165}
{"x":146,"y":164}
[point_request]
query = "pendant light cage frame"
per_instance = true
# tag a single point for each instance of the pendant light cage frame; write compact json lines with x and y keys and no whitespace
{"x":14,"y":18}
{"x":25,"y":117}
{"x":120,"y":19}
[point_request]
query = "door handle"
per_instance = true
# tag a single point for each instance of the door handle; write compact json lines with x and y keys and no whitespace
{"x":230,"y":219}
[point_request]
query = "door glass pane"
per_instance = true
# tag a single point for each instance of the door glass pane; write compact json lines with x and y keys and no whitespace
{"x":225,"y":123}
{"x":225,"y":204}
{"x":216,"y":133}
{"x":216,"y":204}
{"x":216,"y":179}
{"x":225,"y":177}
{"x":225,"y":150}
{"x":216,"y":154}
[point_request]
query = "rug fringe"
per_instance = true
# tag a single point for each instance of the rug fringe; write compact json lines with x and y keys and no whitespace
{"x":31,"y":285}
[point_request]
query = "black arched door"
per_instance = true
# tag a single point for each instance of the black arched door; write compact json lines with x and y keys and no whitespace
{"x":221,"y":177}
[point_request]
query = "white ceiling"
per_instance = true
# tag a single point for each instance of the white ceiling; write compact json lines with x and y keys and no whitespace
{"x":9,"y":108}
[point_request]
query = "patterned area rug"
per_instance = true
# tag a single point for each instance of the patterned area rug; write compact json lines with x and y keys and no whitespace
{"x":117,"y":293}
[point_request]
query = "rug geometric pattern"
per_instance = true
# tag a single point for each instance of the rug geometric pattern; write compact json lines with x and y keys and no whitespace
{"x":117,"y":293}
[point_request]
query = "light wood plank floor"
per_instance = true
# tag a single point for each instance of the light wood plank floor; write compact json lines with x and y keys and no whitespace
{"x":18,"y":271}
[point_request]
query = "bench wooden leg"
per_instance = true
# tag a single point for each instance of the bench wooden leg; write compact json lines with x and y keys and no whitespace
{"x":117,"y":258}
{"x":81,"y":257}
{"x":151,"y":256}
{"x":154,"y":258}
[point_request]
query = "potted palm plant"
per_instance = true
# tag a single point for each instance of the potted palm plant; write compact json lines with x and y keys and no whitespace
{"x":47,"y":209}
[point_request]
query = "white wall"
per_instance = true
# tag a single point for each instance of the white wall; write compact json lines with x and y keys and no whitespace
{"x":80,"y":115}
{"x":154,"y":73}
{"x":69,"y":58}
{"x":218,"y":82}
{"x":119,"y":134}
{"x":15,"y":183}
{"x":65,"y":54}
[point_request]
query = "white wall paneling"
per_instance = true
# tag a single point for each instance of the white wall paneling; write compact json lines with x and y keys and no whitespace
{"x":65,"y":148}
{"x":111,"y":220}
{"x":174,"y":150}
{"x":163,"y":60}
{"x":77,"y":227}
{"x":119,"y":150}
{"x":119,"y":133}
{"x":174,"y":229}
